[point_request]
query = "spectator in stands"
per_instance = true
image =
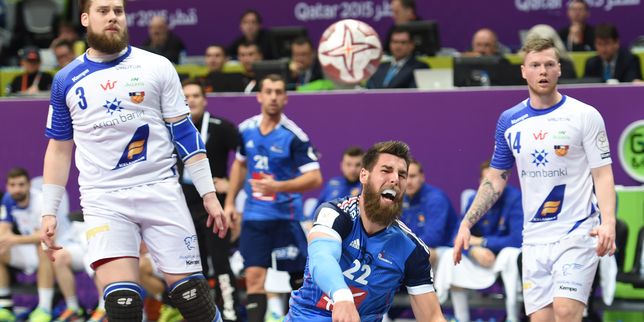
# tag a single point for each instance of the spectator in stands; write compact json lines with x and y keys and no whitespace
{"x":19,"y":244}
{"x":402,"y":11}
{"x":579,"y":35}
{"x":32,"y":80}
{"x":162,"y":41}
{"x":248,"y":53}
{"x":399,"y":73}
{"x":250,"y":25}
{"x":485,"y":43}
{"x":64,"y":52}
{"x":216,"y":80}
{"x":494,"y":248}
{"x":68,"y":32}
{"x":348,"y":184}
{"x":612,"y":62}
{"x":547,"y":32}
{"x":428,"y":212}
{"x":304,"y":66}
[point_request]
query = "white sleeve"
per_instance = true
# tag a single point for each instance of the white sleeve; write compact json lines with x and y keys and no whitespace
{"x":595,"y":140}
{"x":173,"y":102}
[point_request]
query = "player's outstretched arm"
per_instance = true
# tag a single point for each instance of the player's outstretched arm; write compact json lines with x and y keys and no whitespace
{"x":426,"y":307}
{"x":58,"y":160}
{"x":489,"y":191}
{"x":605,"y":191}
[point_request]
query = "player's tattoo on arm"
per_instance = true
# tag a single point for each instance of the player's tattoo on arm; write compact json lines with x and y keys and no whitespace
{"x":486,"y":196}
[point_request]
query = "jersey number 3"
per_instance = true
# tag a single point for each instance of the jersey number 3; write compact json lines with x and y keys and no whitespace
{"x":82,"y":101}
{"x":358,"y":267}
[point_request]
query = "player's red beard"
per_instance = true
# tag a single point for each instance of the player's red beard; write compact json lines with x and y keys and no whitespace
{"x":108,"y":44}
{"x":376,"y":211}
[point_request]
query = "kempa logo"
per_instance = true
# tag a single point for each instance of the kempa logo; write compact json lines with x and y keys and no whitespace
{"x":108,"y":85}
{"x":125,"y":301}
{"x":189,"y":295}
{"x":567,"y":288}
{"x":631,"y":150}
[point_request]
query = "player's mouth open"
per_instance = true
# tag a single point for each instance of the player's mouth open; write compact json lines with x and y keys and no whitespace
{"x":543,"y":81}
{"x":389,"y":194}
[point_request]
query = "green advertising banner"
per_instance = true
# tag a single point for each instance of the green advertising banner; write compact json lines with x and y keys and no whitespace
{"x":631,"y":150}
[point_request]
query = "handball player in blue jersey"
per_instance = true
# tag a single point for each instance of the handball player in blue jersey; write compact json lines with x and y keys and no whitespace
{"x":360,"y":253}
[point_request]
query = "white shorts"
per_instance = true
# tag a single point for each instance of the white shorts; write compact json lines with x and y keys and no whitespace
{"x":117,"y":220}
{"x":77,"y":253}
{"x":24,"y":257}
{"x":565,"y":268}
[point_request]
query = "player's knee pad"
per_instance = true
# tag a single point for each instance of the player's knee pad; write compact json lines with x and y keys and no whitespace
{"x":191,"y":296}
{"x":124,"y":302}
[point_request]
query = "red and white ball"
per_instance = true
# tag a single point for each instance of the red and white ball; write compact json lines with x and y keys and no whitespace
{"x":349,"y":51}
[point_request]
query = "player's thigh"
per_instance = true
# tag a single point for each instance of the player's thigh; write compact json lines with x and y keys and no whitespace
{"x":537,"y":278}
{"x":575,"y":268}
{"x":76,"y":253}
{"x":289,"y":246}
{"x":24,"y":257}
{"x":256,"y":242}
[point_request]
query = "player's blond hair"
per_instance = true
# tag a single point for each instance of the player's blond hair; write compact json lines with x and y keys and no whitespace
{"x":539,"y":45}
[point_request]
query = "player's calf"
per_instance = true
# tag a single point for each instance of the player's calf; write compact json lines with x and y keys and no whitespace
{"x":124,"y":302}
{"x":191,"y":296}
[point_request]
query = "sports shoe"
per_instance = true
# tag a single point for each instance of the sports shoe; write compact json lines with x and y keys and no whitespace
{"x":6,"y":315}
{"x":39,"y":315}
{"x":70,"y":316}
{"x":169,"y":314}
{"x":99,"y":315}
{"x":274,"y":317}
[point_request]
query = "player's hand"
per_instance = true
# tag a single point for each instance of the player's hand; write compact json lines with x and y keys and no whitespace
{"x":345,"y":311}
{"x":266,"y":186}
{"x":605,"y":234}
{"x":482,"y":256}
{"x":48,"y":235}
{"x":217,"y":218}
{"x":462,"y":241}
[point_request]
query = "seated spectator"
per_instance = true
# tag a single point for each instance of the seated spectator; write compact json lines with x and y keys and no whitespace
{"x":216,"y":80}
{"x":248,"y":53}
{"x":428,"y":213}
{"x":485,"y":43}
{"x":578,"y":35}
{"x":68,"y":32}
{"x":399,"y":73}
{"x":32,"y":80}
{"x":162,"y":41}
{"x":402,"y":11}
{"x":64,"y":52}
{"x":547,"y":32}
{"x":304,"y":66}
{"x":494,"y":248}
{"x":250,"y":25}
{"x":612,"y":62}
{"x":349,"y":183}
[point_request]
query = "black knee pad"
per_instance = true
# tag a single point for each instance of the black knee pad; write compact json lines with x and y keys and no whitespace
{"x":123,"y":302}
{"x":191,"y":296}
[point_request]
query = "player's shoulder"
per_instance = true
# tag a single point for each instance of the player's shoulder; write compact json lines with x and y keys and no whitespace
{"x":250,"y":123}
{"x":7,"y":200}
{"x":141,"y":54}
{"x":515,"y":114}
{"x":579,"y":107}
{"x":335,"y":181}
{"x":290,"y":126}
{"x":345,"y":206}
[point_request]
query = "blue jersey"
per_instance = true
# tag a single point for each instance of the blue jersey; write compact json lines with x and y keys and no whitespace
{"x":339,"y":187}
{"x":502,"y":225}
{"x":374,"y":267}
{"x":430,"y":216}
{"x":284,"y":153}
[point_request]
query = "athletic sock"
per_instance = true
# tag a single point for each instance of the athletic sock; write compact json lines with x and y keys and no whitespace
{"x":256,"y":307}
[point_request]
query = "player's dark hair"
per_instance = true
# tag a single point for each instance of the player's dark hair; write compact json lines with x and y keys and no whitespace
{"x":302,"y":40}
{"x":571,"y":2}
{"x":538,"y":45}
{"x":247,"y":43}
{"x":84,"y":5}
{"x":220,"y":47}
{"x":396,"y":148}
{"x":353,"y":151}
{"x":401,"y":30}
{"x":416,"y":162}
{"x":252,"y":12}
{"x":193,"y":81}
{"x":17,"y":172}
{"x":272,"y":77}
{"x":64,"y":43}
{"x":606,"y":31}
{"x":409,"y":4}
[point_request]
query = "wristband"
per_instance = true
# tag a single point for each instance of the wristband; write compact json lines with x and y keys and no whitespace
{"x":201,"y":176}
{"x":342,"y":295}
{"x":52,"y":195}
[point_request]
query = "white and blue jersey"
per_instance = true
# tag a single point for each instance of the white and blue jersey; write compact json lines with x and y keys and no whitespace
{"x":114,"y":111}
{"x":374,"y":266}
{"x":554,"y":149}
{"x":430,"y":216}
{"x":284,"y":153}
{"x":338,"y":187}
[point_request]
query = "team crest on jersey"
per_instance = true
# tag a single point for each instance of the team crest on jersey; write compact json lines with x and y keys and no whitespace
{"x":137,"y":97}
{"x":561,"y":150}
{"x":326,"y":303}
{"x":136,"y":150}
{"x":539,"y":158}
{"x":551,"y":207}
{"x":113,"y":106}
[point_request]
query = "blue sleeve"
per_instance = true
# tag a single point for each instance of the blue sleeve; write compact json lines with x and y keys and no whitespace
{"x":5,"y":209}
{"x":417,"y":268}
{"x":241,"y":148}
{"x":512,"y":212}
{"x":438,"y":228}
{"x":59,"y":121}
{"x":303,"y":154}
{"x":330,"y":216}
{"x":502,"y":158}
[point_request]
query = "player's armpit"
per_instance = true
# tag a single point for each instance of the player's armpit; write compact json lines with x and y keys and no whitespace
{"x":426,"y":307}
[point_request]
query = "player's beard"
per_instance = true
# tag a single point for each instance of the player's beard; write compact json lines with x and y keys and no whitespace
{"x":376,"y":211}
{"x":19,"y":197}
{"x":108,"y":44}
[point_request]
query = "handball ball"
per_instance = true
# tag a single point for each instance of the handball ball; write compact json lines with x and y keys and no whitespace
{"x":349,"y":51}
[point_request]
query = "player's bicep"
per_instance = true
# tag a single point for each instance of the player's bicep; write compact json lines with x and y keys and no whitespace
{"x":418,"y":272}
{"x":59,"y":120}
{"x":304,"y":155}
{"x":173,"y":101}
{"x":595,"y":141}
{"x":505,"y":141}
{"x":330,"y":221}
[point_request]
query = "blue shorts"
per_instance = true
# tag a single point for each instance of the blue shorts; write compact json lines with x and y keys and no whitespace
{"x":261,"y":240}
